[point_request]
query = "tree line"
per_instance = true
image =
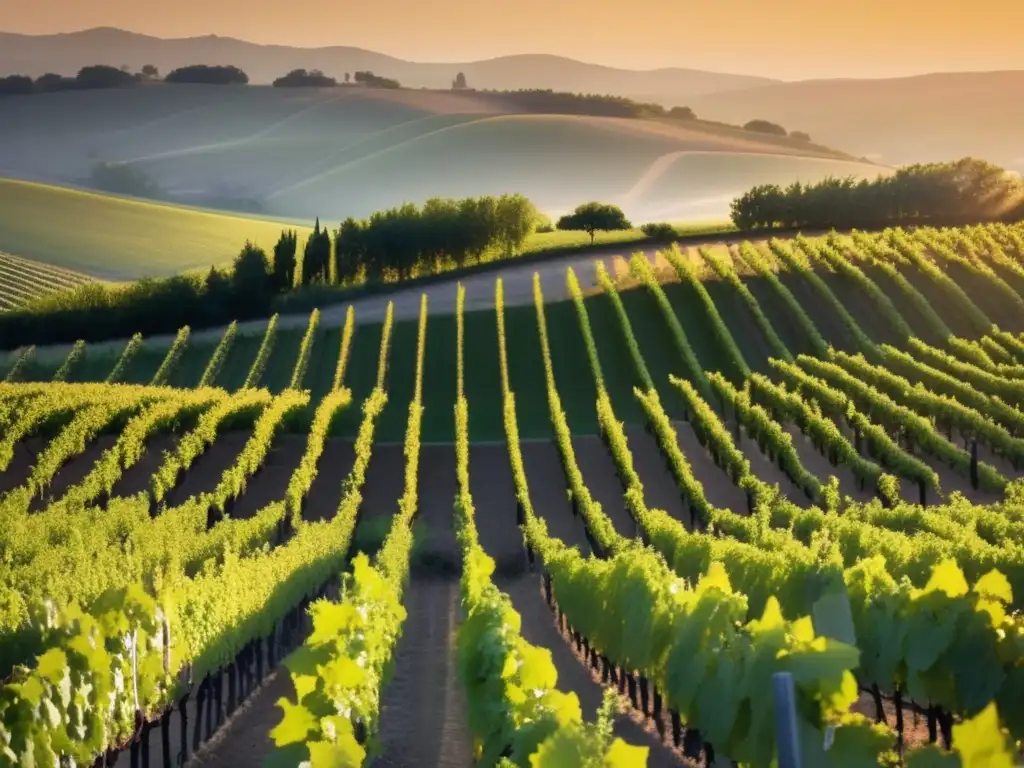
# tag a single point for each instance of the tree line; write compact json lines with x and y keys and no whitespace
{"x":315,"y":78}
{"x":964,"y":191}
{"x":389,"y":246}
{"x":529,"y":100}
{"x":100,"y":76}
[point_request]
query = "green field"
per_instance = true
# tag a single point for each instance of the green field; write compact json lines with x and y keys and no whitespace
{"x":120,"y":239}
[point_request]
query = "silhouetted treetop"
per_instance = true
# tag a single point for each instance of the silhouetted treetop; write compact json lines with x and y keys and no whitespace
{"x":94,"y":76}
{"x":764,"y":126}
{"x":300,"y":78}
{"x":14,"y":85}
{"x":375,"y":81}
{"x":204,"y":73}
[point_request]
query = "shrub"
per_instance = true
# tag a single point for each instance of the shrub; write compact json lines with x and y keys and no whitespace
{"x":659,"y":230}
{"x":123,"y":179}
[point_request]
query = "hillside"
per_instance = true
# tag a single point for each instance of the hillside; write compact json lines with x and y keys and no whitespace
{"x":66,"y":53}
{"x":332,"y":153}
{"x":116,"y":238}
{"x":893,"y":121}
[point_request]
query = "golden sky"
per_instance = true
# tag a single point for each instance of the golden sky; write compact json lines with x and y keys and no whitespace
{"x":789,"y":39}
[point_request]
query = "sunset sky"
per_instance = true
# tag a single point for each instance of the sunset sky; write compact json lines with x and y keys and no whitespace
{"x":788,"y":39}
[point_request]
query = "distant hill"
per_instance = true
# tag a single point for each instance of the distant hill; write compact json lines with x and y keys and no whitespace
{"x":65,"y":53}
{"x":893,"y":121}
{"x":336,"y":152}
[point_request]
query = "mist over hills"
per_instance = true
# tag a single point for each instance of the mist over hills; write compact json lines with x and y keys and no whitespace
{"x":65,"y":53}
{"x":897,"y":120}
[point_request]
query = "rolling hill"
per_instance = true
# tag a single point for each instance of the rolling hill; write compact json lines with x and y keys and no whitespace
{"x":119,"y":239}
{"x":66,"y":53}
{"x":332,"y":153}
{"x":893,"y":121}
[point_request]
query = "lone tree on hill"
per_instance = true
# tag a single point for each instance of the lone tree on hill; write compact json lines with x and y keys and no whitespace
{"x":459,"y":83}
{"x":150,"y":72}
{"x":595,"y":217}
{"x":284,"y":261}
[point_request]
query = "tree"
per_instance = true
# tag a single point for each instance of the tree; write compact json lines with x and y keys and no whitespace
{"x":218,"y":289}
{"x":251,"y":278}
{"x":348,"y":77}
{"x":284,"y":261}
{"x":213,"y":75}
{"x":299,"y":78}
{"x":16,"y":84}
{"x":594,"y":217}
{"x":371,"y":80}
{"x":54,"y":82}
{"x":459,"y":84}
{"x":102,"y":76}
{"x":682,"y":113}
{"x":150,"y":72}
{"x":764,"y":126}
{"x":316,"y":256}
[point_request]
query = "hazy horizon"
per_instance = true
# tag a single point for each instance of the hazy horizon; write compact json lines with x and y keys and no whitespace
{"x":795,"y":41}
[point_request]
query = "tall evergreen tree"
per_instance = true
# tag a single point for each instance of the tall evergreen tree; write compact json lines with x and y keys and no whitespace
{"x":284,"y":261}
{"x":316,"y":256}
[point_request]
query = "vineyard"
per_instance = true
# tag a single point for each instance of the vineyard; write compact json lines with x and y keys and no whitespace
{"x":536,"y":532}
{"x":23,"y":280}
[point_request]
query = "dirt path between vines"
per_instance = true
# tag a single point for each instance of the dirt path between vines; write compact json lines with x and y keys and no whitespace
{"x":208,"y":468}
{"x":424,"y":720}
{"x":331,"y":470}
{"x":598,"y":470}
{"x":74,"y":471}
{"x":816,"y":463}
{"x":718,"y":487}
{"x":494,"y":498}
{"x":135,"y":479}
{"x":20,"y":467}
{"x":270,"y":482}
{"x":660,"y":489}
{"x":548,"y":493}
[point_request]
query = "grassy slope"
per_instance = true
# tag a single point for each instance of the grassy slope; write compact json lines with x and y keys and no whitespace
{"x":118,"y":238}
